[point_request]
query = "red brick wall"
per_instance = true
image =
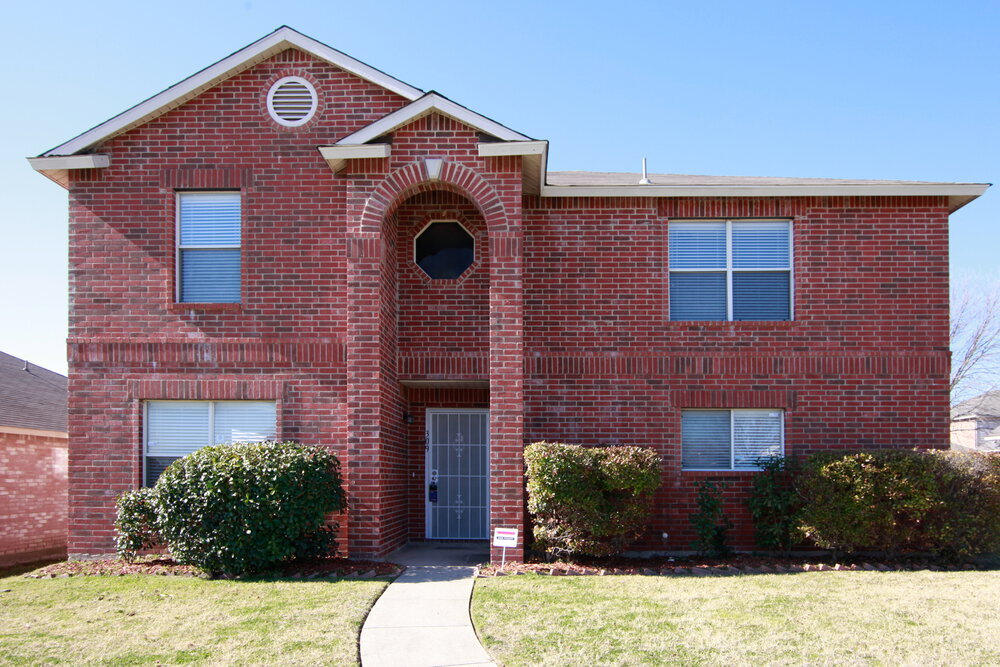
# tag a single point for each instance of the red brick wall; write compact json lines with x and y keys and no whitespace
{"x":33,"y":499}
{"x":564,"y":315}
{"x":863,"y":364}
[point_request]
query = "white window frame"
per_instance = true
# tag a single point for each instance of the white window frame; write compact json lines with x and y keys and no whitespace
{"x":178,"y":286}
{"x":729,"y":270}
{"x":732,"y":438}
{"x":475,"y":255}
{"x":211,"y":422}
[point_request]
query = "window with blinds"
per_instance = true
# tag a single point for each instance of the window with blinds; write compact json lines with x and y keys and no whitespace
{"x":730,"y":270}
{"x":176,"y":428}
{"x":208,"y":247}
{"x":730,"y":439}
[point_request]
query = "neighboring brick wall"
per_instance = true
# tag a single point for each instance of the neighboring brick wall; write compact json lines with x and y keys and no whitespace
{"x":564,"y":315}
{"x":33,"y":499}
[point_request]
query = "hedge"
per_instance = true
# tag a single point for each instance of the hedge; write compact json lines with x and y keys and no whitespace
{"x":589,"y":500}
{"x":896,"y":501}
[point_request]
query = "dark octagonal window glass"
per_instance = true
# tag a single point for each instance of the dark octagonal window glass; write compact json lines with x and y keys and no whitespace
{"x":444,"y":250}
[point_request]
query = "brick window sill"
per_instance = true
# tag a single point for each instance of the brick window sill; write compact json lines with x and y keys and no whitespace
{"x":710,"y":325}
{"x":206,"y":307}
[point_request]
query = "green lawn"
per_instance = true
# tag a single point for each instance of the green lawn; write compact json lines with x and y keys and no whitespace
{"x":871,"y":618}
{"x":171,"y":620}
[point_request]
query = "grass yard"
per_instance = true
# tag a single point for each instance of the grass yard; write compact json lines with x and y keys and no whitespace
{"x":136,"y":620}
{"x":880,"y":618}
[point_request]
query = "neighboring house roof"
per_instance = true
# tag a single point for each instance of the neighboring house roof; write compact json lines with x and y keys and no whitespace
{"x":77,"y":153}
{"x":31,"y":397}
{"x":984,"y":406}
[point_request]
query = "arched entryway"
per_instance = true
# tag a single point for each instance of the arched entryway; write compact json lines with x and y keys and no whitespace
{"x":434,"y":357}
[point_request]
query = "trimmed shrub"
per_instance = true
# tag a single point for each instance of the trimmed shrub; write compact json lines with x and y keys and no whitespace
{"x":969,"y":522}
{"x":896,"y":501}
{"x":238,"y":508}
{"x":774,"y":504}
{"x":590,"y":501}
{"x":868,"y":500}
{"x":135,"y":523}
{"x":710,"y":522}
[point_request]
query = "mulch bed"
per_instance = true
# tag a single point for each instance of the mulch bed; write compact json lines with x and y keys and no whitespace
{"x":703,"y":567}
{"x":318,"y":568}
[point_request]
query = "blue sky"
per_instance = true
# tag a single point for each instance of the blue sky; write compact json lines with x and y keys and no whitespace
{"x":884,"y":90}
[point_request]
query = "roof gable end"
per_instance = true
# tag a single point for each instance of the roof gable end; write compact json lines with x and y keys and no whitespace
{"x":281,"y":39}
{"x":430,"y":103}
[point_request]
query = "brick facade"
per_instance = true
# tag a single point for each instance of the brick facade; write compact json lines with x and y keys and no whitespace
{"x":560,"y":327}
{"x":33,"y":491}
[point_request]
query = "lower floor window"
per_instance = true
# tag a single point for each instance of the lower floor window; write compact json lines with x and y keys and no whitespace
{"x":176,"y":428}
{"x":730,"y":439}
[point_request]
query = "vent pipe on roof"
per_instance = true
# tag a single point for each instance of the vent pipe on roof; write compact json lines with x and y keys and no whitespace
{"x":645,"y":179}
{"x":25,"y":365}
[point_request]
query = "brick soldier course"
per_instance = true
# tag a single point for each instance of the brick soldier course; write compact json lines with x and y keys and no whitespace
{"x":560,"y":328}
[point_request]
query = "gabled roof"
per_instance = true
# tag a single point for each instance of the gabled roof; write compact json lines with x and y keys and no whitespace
{"x":274,"y":43}
{"x":430,"y":103}
{"x":31,"y":397}
{"x":984,"y":406}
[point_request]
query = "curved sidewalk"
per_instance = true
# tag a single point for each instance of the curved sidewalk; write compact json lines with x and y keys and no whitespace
{"x":422,"y":618}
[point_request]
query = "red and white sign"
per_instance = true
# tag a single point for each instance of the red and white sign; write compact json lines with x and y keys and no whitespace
{"x":505,"y":537}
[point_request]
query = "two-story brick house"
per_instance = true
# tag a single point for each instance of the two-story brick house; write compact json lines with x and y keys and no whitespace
{"x":293,"y":244}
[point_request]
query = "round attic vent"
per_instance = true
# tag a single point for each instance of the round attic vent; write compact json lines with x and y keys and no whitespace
{"x":291,"y":101}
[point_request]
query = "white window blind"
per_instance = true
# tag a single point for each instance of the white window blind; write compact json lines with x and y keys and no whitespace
{"x":176,"y":428}
{"x":730,"y":439}
{"x":209,"y":238}
{"x":730,"y":270}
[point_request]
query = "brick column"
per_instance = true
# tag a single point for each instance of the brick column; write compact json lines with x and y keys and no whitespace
{"x":364,"y":394}
{"x":506,"y":382}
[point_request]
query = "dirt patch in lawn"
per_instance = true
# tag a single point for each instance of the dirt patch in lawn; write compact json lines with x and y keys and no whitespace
{"x":315,"y":568}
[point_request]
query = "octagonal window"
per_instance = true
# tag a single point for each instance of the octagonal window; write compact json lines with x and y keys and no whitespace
{"x":444,"y":250}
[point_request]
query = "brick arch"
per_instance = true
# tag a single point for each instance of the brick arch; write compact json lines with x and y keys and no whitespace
{"x":412,"y":179}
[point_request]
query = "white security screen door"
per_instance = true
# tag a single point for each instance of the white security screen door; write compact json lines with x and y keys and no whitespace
{"x":457,"y":490}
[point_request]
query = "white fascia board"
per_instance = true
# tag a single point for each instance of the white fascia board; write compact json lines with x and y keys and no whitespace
{"x":260,"y":50}
{"x":428,"y":104}
{"x":57,"y":169}
{"x":337,"y":156}
{"x":502,"y":149}
{"x":970,"y":190}
{"x":69,"y":162}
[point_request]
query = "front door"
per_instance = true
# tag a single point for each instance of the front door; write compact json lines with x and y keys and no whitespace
{"x":457,"y":489}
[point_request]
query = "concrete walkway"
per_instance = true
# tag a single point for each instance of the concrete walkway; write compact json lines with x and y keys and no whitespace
{"x":422,"y":618}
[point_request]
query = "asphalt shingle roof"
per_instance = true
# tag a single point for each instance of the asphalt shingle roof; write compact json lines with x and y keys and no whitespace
{"x":33,"y":398}
{"x":985,"y":405}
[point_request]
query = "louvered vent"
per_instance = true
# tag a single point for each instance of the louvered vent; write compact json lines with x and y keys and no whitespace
{"x":291,"y":101}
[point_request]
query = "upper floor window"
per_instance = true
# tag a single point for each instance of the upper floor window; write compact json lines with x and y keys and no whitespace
{"x":730,"y":270}
{"x":208,"y":247}
{"x":176,"y":428}
{"x":444,"y":250}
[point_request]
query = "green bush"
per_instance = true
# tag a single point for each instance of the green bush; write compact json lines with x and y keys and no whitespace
{"x":238,"y":508}
{"x":896,"y":501}
{"x":710,"y":522}
{"x":589,"y":500}
{"x":774,"y":504}
{"x":969,"y":522}
{"x":136,"y":523}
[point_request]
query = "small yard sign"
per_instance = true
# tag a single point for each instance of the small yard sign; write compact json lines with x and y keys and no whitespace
{"x":504,"y":537}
